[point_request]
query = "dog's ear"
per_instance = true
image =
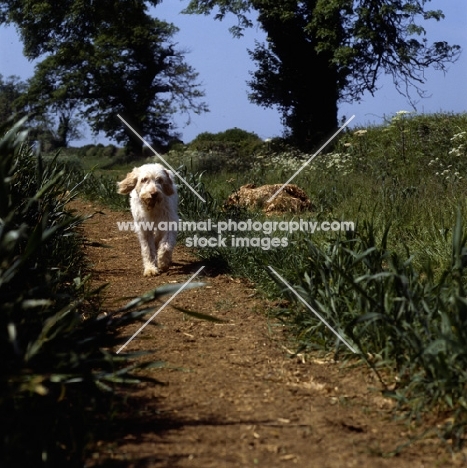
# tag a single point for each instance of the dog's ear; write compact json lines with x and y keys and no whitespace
{"x":129,"y":183}
{"x":168,"y":186}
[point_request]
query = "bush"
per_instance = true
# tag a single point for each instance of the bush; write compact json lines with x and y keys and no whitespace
{"x":215,"y":151}
{"x":109,"y":151}
{"x":233,"y":135}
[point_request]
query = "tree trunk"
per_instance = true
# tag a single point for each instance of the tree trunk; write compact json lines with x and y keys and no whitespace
{"x":63,"y":131}
{"x":313,"y":116}
{"x":300,"y":81}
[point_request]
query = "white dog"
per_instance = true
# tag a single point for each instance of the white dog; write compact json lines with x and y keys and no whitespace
{"x":153,"y":198}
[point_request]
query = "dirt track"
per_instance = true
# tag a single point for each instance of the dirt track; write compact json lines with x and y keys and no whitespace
{"x":232,"y":395}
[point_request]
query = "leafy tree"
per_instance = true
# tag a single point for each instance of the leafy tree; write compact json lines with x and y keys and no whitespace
{"x":235,"y":134}
{"x":68,"y":126}
{"x":106,"y":57}
{"x":11,"y":88}
{"x":321,"y":52}
{"x":15,"y":101}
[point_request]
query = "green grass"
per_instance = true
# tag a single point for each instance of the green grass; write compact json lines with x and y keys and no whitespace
{"x":396,"y":286}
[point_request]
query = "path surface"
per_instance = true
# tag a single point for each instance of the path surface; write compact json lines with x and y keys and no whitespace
{"x":232,"y":395}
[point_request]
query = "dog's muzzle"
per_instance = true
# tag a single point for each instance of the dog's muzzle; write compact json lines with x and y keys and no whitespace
{"x":151,"y":199}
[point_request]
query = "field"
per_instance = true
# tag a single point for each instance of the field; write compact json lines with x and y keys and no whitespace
{"x":394,"y":288}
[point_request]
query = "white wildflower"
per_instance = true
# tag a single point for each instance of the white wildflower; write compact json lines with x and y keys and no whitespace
{"x":360,"y":132}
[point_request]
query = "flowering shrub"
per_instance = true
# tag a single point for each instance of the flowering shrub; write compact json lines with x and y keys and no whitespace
{"x":450,"y":168}
{"x":459,"y":141}
{"x":289,"y":161}
{"x":445,"y":172}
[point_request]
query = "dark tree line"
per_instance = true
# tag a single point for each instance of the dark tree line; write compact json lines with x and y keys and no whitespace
{"x":108,"y":57}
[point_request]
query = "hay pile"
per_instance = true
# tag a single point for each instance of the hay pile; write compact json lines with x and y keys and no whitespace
{"x":291,"y":199}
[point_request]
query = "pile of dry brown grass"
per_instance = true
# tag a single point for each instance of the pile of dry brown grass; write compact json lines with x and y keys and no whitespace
{"x":291,"y":199}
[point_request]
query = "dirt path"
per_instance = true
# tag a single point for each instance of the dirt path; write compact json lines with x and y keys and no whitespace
{"x":232,"y":396}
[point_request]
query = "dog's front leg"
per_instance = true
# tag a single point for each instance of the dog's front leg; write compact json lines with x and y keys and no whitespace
{"x":165,"y":249}
{"x":148,"y":252}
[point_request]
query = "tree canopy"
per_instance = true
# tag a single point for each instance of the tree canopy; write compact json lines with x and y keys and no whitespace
{"x":11,"y":88}
{"x":105,"y":58}
{"x":320,"y":52}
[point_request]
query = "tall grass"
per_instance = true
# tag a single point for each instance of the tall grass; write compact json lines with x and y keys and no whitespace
{"x":58,"y":370}
{"x":396,"y":285}
{"x":409,"y":321}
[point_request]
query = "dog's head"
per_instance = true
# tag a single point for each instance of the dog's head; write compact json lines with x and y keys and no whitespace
{"x":152,"y":183}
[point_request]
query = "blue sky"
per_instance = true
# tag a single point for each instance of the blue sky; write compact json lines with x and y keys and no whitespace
{"x":223,"y":65}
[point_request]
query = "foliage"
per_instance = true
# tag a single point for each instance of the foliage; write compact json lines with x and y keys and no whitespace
{"x":11,"y":89}
{"x":395,"y":286}
{"x":232,"y":135}
{"x":190,"y":204}
{"x":99,"y":151}
{"x":58,"y":368}
{"x":15,"y":101}
{"x":341,"y":46}
{"x":213,"y":151}
{"x":102,"y":59}
{"x":412,"y":321}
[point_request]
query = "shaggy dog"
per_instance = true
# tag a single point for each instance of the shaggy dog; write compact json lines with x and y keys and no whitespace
{"x":153,"y":198}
